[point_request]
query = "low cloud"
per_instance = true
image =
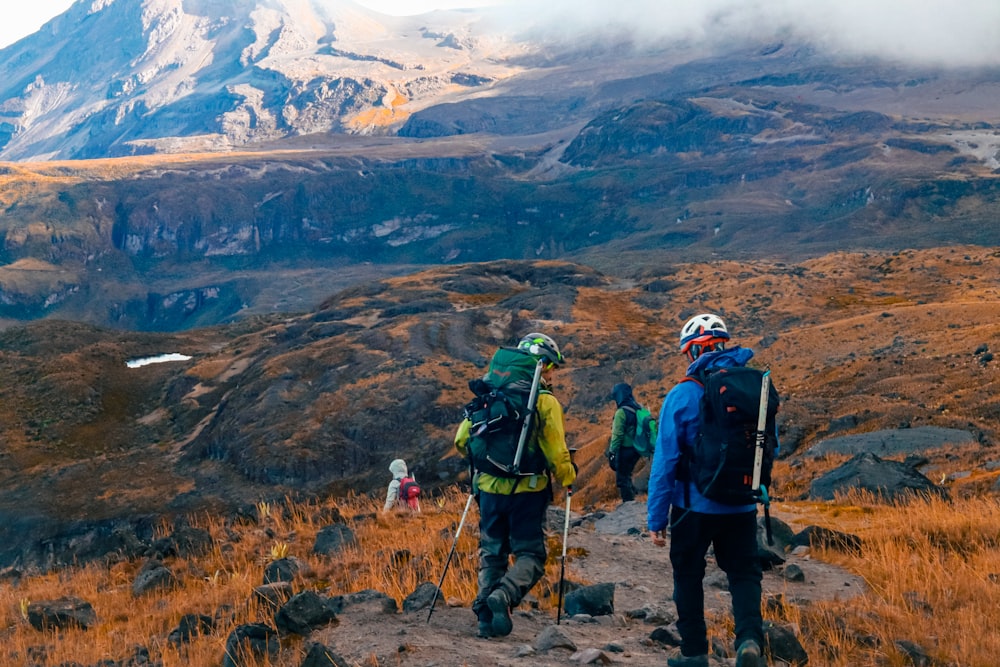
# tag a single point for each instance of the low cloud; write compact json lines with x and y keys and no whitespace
{"x":955,"y":33}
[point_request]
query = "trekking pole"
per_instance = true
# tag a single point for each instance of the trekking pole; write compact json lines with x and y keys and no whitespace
{"x":758,"y":458}
{"x":562,"y":566}
{"x":526,"y":426}
{"x":458,"y":531}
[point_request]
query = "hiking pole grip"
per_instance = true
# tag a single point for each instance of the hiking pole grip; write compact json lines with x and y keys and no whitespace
{"x":562,"y":566}
{"x":758,"y":456}
{"x":526,"y":426}
{"x":458,"y":531}
{"x":767,"y":516}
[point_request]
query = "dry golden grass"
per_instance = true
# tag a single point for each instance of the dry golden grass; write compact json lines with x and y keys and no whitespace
{"x":384,"y":559}
{"x":931,"y":567}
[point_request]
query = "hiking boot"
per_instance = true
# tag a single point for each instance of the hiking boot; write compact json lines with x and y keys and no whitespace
{"x":688,"y":661}
{"x":499,"y":604}
{"x":485,"y":629}
{"x":749,"y":655}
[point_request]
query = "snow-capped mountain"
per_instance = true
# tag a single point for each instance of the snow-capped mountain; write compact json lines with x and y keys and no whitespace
{"x":121,"y":77}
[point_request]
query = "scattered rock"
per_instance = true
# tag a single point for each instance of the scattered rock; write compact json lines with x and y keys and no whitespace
{"x":332,"y":539}
{"x":590,"y":656}
{"x":154,"y":575}
{"x":915,"y":654}
{"x":819,"y":537}
{"x":553,"y":637}
{"x":667,"y":635}
{"x":421,"y":597}
{"x":248,"y":643}
{"x":782,"y":644}
{"x":303,"y":613}
{"x":319,"y":655}
{"x":285,"y":569}
{"x":273,"y":595}
{"x":596,"y":600}
{"x":190,"y":625}
{"x":366,"y":599}
{"x":65,"y":612}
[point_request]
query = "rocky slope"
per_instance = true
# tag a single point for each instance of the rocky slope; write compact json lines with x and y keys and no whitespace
{"x":320,"y":403}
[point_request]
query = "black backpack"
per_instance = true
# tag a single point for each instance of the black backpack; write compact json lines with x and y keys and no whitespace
{"x":497,"y":415}
{"x":721,"y":462}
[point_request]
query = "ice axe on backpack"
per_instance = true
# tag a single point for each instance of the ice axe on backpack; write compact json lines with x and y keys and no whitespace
{"x":458,"y":531}
{"x":758,"y":460}
{"x":562,"y":566}
{"x":530,"y":413}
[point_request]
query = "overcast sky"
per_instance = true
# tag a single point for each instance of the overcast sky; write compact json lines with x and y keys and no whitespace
{"x":948,"y":32}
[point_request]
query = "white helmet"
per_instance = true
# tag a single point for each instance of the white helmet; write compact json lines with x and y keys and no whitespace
{"x":705,"y":330}
{"x":541,"y":346}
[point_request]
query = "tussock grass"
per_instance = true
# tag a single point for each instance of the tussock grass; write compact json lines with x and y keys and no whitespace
{"x":932,"y":571}
{"x":931,"y":567}
{"x":394,"y":553}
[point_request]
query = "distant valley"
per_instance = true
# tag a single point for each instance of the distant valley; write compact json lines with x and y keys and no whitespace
{"x":613,"y":154}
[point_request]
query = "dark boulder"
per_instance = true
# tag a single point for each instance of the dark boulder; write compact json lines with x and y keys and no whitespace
{"x":888,"y":480}
{"x":596,"y":600}
{"x":305,"y":612}
{"x":64,"y":612}
{"x":248,"y":643}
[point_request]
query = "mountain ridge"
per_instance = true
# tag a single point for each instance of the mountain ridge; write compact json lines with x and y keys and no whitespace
{"x":318,"y":404}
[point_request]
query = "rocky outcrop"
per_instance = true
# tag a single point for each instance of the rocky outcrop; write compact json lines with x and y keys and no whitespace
{"x":893,"y":441}
{"x":887,"y":480}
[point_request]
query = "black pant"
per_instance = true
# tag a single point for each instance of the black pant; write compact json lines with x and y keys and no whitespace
{"x":510,"y":524}
{"x":625,"y":464}
{"x":734,"y":537}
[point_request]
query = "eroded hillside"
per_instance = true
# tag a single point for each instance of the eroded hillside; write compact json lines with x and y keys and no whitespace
{"x":320,"y":403}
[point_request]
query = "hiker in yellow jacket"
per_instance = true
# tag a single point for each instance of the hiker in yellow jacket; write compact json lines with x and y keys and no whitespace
{"x":512,"y":510}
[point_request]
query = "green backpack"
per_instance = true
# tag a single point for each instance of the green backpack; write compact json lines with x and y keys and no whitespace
{"x":645,"y":432}
{"x":497,"y":414}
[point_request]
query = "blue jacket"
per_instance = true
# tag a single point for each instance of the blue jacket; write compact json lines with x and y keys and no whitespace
{"x":678,"y":427}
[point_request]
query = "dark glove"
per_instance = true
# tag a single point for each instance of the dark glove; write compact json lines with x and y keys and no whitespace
{"x":613,"y":460}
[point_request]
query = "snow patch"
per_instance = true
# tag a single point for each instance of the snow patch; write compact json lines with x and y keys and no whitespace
{"x":145,"y":361}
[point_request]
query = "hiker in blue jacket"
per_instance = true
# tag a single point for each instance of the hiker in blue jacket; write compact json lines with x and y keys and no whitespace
{"x":695,"y":521}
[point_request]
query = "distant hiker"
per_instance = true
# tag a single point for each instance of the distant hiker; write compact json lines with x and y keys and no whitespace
{"x":696,"y":521}
{"x":622,"y":454}
{"x":513,"y":494}
{"x":403,"y":491}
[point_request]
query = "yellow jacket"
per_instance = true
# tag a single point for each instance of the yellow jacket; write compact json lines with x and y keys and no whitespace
{"x":550,"y":435}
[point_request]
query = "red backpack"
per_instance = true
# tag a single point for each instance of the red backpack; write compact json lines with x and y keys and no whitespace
{"x":409,"y":493}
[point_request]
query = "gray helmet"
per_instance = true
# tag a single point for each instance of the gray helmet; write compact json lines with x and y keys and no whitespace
{"x":541,"y":346}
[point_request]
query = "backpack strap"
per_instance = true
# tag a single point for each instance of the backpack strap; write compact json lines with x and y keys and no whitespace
{"x":684,"y":464}
{"x":630,"y":417}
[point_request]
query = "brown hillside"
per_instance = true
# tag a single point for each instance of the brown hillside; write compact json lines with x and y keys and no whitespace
{"x":320,"y":403}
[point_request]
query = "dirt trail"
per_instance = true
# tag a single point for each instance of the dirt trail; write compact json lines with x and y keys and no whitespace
{"x":609,"y":548}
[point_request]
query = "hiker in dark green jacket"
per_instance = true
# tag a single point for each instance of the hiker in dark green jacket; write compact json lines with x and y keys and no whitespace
{"x":622,"y":455}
